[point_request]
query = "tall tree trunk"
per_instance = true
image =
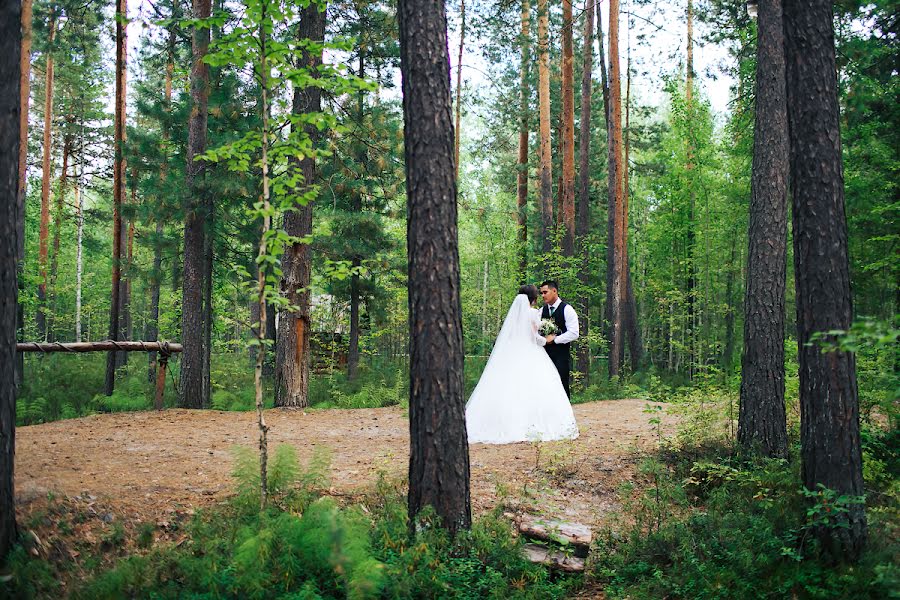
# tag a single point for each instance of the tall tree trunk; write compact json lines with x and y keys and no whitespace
{"x":122,"y":357}
{"x":356,"y":206}
{"x":829,"y":405}
{"x":458,"y":107}
{"x":615,"y":224}
{"x":546,"y":177}
{"x":522,"y":164}
{"x":44,"y":234}
{"x":155,"y":285}
{"x":353,"y":350}
{"x":292,"y":342}
{"x":25,"y":95}
{"x":156,"y":276}
{"x":761,"y":417}
{"x":10,"y":185}
{"x":118,"y":188}
{"x":691,"y":327}
{"x":127,"y":308}
{"x":206,"y":315}
{"x":630,"y":317}
{"x":604,"y":84}
{"x":439,"y":453}
{"x":192,"y":324}
{"x":79,"y":266}
{"x":583,"y":221}
{"x":57,"y":231}
{"x":604,"y":78}
{"x":567,"y":189}
{"x":728,"y":350}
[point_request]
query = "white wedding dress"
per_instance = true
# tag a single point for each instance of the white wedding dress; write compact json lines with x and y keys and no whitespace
{"x":519,"y":397}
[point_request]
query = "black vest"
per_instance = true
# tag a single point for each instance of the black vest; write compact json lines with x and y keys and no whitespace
{"x":559,"y":317}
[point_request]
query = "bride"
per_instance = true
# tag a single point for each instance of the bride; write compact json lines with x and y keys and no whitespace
{"x":520,"y":397}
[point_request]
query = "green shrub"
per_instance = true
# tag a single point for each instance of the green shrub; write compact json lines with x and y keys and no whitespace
{"x":732,"y":527}
{"x":307,"y":547}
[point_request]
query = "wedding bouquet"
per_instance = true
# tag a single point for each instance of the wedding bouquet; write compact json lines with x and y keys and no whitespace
{"x":548,"y":327}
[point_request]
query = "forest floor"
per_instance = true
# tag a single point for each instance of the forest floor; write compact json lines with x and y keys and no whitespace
{"x":156,"y":468}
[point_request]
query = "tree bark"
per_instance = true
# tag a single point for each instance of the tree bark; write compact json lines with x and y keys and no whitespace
{"x":118,"y":188}
{"x":156,"y":276}
{"x":583,"y":224}
{"x":692,"y":200}
{"x":829,"y":406}
{"x":761,"y":417}
{"x":292,"y":342}
{"x":522,"y":164}
{"x":728,"y":350}
{"x":127,"y":308}
{"x":193,"y":388}
{"x":439,"y":456}
{"x":630,"y":318}
{"x":10,"y":186}
{"x":356,"y":206}
{"x":615,"y":223}
{"x":79,"y":266}
{"x":261,"y":272}
{"x":25,"y":95}
{"x":353,"y":349}
{"x":567,"y":189}
{"x":103,"y":346}
{"x":604,"y":78}
{"x":57,"y":230}
{"x":546,"y":177}
{"x":44,"y":233}
{"x":458,"y":107}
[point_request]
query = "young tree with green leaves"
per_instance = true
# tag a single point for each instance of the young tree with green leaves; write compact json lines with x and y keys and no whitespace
{"x":275,"y":146}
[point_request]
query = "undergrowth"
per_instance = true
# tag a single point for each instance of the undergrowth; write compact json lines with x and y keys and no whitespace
{"x":705,"y":521}
{"x":306,"y":545}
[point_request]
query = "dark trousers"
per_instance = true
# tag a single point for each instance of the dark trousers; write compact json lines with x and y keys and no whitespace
{"x":562,"y":361}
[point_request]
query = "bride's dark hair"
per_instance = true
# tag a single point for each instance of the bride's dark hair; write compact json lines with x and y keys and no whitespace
{"x":530,"y":291}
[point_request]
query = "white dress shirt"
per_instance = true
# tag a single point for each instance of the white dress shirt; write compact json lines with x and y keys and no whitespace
{"x":571,"y":333}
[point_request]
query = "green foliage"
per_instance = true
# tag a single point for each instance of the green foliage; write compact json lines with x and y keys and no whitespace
{"x":319,"y":549}
{"x":65,"y":386}
{"x":375,"y":392}
{"x":288,"y":485}
{"x":25,"y":577}
{"x":485,"y":562}
{"x":708,"y":523}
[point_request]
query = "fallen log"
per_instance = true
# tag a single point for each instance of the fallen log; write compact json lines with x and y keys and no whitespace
{"x":559,"y":532}
{"x":553,"y":558}
{"x":102,"y":346}
{"x":165,"y":349}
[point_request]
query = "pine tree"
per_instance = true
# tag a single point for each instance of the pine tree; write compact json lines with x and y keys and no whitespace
{"x":439,"y":453}
{"x":762,"y":421}
{"x":10,"y":127}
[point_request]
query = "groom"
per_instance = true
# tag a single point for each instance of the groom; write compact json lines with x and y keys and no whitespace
{"x":566,"y":321}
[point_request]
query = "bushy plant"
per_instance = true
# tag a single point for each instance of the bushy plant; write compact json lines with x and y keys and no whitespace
{"x":712,"y":523}
{"x":310,"y":547}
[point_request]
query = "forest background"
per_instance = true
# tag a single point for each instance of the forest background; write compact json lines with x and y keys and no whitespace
{"x":688,"y":159}
{"x":687,"y":240}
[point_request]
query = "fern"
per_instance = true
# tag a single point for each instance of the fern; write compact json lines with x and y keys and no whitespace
{"x":288,"y":484}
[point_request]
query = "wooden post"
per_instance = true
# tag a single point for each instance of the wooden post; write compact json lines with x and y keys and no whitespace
{"x":160,"y":380}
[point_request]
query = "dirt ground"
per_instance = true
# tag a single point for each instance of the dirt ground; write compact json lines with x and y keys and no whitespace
{"x":148,"y":465}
